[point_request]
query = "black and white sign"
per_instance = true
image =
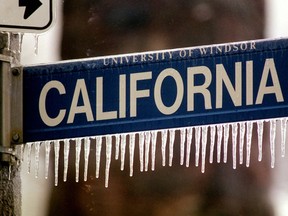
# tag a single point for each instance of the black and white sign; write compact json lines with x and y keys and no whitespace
{"x":26,"y":15}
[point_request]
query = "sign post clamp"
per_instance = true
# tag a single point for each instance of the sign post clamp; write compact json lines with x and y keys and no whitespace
{"x":11,"y":129}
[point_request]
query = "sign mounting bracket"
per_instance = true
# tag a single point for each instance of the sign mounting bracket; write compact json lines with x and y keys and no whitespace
{"x":11,"y":129}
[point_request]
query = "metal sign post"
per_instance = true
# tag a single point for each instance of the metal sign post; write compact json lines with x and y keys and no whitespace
{"x":10,"y":126}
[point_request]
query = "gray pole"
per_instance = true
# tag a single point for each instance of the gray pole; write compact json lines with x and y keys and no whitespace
{"x":10,"y":125}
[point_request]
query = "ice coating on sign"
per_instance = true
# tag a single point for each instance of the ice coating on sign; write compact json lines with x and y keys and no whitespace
{"x":66,"y":158}
{"x":234,"y":144}
{"x":29,"y":148}
{"x":283,"y":135}
{"x":226,"y":137}
{"x":204,"y":143}
{"x":108,"y":158}
{"x":189,"y":141}
{"x":182,"y":144}
{"x":199,"y":136}
{"x":56,"y":151}
{"x":163,"y":146}
{"x":21,"y":152}
{"x":117,"y":145}
{"x":219,"y":142}
{"x":123,"y":150}
{"x":131,"y":151}
{"x":98,"y":154}
{"x":147,"y":148}
{"x":77,"y":156}
{"x":36,"y":42}
{"x":47,"y":157}
{"x":141,"y":151}
{"x":212,"y":142}
{"x":86,"y":156}
{"x":272,"y":141}
{"x":197,"y":145}
{"x":171,"y":145}
{"x":241,"y":144}
{"x":37,"y":153}
{"x":153,"y":150}
{"x":20,"y":41}
{"x":260,"y":138}
{"x":248,"y":142}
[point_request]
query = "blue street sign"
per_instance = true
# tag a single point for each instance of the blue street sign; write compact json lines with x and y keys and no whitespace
{"x":156,"y":90}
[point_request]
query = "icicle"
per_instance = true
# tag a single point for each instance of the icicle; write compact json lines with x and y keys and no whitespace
{"x":171,"y":145}
{"x":219,"y":142}
{"x":188,"y":147}
{"x":147,"y":149}
{"x":9,"y":172}
{"x":272,"y":141}
{"x":66,"y":158}
{"x":163,"y":146}
{"x":98,"y":154}
{"x":283,"y":135}
{"x":131,"y":151}
{"x":20,"y":41}
{"x":241,"y":145}
{"x":47,"y":157}
{"x":37,"y":153}
{"x":77,"y":161}
{"x":141,"y":151}
{"x":36,"y":40}
{"x":153,"y":152}
{"x":29,"y":148}
{"x":9,"y":45}
{"x":226,"y":138}
{"x":86,"y":156}
{"x":234,"y":143}
{"x":117,"y":144}
{"x":197,"y":145}
{"x":22,"y":152}
{"x":108,"y":158}
{"x":56,"y":152}
{"x":248,"y":142}
{"x":182,"y":144}
{"x":123,"y":150}
{"x":260,"y":138}
{"x":212,"y":142}
{"x":204,"y":143}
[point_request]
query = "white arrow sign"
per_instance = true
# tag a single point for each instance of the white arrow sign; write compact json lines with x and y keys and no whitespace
{"x":26,"y":15}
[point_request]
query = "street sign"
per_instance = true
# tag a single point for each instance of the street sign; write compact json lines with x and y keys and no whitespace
{"x":26,"y":15}
{"x":156,"y":90}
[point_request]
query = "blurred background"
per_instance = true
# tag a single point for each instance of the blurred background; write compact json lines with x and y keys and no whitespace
{"x":92,"y":28}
